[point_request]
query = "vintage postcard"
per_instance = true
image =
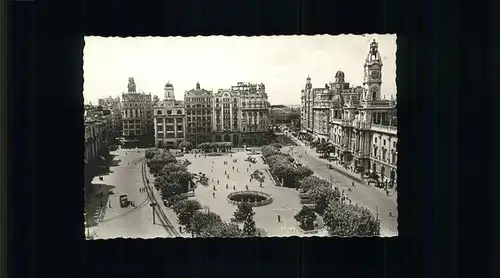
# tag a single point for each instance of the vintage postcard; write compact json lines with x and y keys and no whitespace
{"x":240,"y":136}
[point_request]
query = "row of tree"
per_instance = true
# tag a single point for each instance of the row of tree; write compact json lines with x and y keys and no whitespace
{"x":216,"y":146}
{"x":283,"y":166}
{"x":171,"y":176}
{"x":341,"y":218}
{"x":209,"y":224}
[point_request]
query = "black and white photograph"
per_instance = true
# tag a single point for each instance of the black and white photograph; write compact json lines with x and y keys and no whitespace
{"x":227,"y":136}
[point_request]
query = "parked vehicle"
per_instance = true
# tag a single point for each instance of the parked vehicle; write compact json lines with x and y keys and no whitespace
{"x":124,"y":202}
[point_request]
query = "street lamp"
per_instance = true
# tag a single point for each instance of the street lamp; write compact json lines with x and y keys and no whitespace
{"x":153,"y":205}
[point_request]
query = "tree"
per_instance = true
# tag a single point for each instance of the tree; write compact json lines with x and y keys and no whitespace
{"x":249,"y":227}
{"x":350,"y":220}
{"x":322,"y":196}
{"x":186,"y":144}
{"x":303,"y":172}
{"x":160,"y":159}
{"x":243,"y":212}
{"x":150,"y":153}
{"x":185,"y":210}
{"x":203,"y":220}
{"x":169,"y":189}
{"x":306,"y":217}
{"x":269,"y":150}
{"x":312,"y":181}
{"x":221,"y":229}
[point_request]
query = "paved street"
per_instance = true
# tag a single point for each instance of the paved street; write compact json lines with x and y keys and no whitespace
{"x":286,"y":201}
{"x":363,"y":194}
{"x":130,"y":222}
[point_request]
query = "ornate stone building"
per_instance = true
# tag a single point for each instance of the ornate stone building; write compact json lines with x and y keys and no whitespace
{"x":169,"y":119}
{"x":115,"y":107}
{"x":137,"y":114}
{"x":199,"y":112}
{"x":360,"y":124}
{"x":249,"y":111}
{"x":239,"y":115}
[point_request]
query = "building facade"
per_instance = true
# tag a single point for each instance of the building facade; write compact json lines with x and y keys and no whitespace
{"x":361,"y":126}
{"x":95,"y":140}
{"x":241,"y":114}
{"x":199,"y":115}
{"x":137,"y":114}
{"x":169,"y":120}
{"x":114,"y":105}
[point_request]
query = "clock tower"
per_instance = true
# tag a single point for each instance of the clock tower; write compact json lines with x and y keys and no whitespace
{"x":373,"y":74}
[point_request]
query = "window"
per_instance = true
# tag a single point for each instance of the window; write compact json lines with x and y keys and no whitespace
{"x":375,"y":139}
{"x":158,"y":113}
{"x":179,"y":112}
{"x":394,"y":144}
{"x":384,"y":142}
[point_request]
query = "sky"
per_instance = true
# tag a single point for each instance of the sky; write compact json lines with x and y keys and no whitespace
{"x":282,"y":63}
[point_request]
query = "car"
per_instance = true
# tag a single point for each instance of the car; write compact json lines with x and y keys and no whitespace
{"x":124,"y":202}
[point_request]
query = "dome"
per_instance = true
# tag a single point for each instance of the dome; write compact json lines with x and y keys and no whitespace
{"x":169,"y":85}
{"x":339,"y":74}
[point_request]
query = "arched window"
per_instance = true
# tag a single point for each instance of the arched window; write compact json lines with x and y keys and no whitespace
{"x":179,"y":112}
{"x":158,"y":112}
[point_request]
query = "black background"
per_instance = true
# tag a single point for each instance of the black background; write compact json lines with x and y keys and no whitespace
{"x":444,"y":107}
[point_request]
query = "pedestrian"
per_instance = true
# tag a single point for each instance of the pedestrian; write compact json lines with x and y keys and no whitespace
{"x":180,"y":229}
{"x":246,"y":186}
{"x":234,"y":187}
{"x":390,"y":213}
{"x":279,"y":218}
{"x":227,"y":186}
{"x":102,"y":204}
{"x":261,"y":184}
{"x":214,"y":187}
{"x":213,"y":194}
{"x":217,"y":181}
{"x":233,"y":167}
{"x":109,"y":204}
{"x":225,"y":173}
{"x":349,"y":201}
{"x":353,"y":184}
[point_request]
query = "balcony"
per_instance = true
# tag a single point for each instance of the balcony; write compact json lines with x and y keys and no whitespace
{"x":385,"y":128}
{"x":362,"y":126}
{"x":336,"y":121}
{"x":380,"y":103}
{"x":347,"y":123}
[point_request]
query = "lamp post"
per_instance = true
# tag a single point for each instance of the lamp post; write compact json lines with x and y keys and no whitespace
{"x":153,"y":205}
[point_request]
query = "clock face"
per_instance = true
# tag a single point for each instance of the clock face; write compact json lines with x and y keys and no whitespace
{"x":374,"y":89}
{"x":375,"y":74}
